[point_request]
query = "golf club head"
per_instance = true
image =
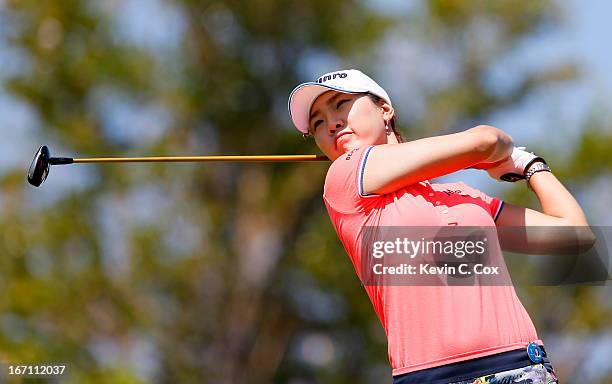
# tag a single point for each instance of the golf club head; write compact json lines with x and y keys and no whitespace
{"x":39,"y":169}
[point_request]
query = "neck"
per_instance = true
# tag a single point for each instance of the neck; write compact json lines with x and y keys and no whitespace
{"x":392,"y":139}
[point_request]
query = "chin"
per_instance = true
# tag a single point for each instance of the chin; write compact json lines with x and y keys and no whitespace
{"x":355,"y":145}
{"x":346,"y":148}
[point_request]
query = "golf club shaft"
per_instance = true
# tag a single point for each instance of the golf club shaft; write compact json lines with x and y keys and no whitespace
{"x":240,"y":158}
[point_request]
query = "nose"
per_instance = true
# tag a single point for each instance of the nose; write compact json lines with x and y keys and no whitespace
{"x":335,"y":126}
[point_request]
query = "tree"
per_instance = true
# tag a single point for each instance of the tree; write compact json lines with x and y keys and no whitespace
{"x":228,"y":272}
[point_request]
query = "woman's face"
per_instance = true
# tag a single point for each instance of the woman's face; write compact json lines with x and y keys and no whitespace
{"x":341,"y":122}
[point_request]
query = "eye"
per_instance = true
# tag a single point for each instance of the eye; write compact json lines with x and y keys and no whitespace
{"x":316,"y":125}
{"x":340,"y":103}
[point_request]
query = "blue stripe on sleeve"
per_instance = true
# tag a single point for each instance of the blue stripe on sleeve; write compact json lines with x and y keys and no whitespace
{"x":361,"y":171}
{"x":501,"y":205}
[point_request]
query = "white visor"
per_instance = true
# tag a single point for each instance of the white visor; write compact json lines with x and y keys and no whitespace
{"x":347,"y":81}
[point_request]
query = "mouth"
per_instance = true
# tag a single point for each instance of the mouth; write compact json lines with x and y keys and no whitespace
{"x":337,"y":139}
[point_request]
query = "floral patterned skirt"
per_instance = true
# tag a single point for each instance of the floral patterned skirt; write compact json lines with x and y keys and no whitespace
{"x":532,"y":374}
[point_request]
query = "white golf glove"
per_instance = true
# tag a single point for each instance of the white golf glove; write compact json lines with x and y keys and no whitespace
{"x":513,"y":168}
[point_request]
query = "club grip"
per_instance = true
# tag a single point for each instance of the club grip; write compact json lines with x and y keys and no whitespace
{"x":60,"y":160}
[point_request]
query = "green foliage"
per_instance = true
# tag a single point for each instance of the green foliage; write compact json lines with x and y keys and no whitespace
{"x":185,"y":273}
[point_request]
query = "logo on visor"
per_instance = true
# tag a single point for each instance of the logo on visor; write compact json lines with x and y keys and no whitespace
{"x":333,"y":76}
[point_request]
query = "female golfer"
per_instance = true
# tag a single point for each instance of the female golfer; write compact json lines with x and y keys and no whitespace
{"x":436,"y":334}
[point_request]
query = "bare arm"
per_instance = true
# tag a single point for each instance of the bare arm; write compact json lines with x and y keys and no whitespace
{"x":556,"y":201}
{"x":560,"y":227}
{"x":392,"y":166}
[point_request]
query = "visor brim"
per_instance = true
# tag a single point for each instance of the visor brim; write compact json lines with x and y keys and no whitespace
{"x":304,"y":95}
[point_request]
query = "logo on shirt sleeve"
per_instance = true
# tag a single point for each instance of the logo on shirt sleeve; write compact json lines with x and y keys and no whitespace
{"x":348,"y":156}
{"x":450,"y":192}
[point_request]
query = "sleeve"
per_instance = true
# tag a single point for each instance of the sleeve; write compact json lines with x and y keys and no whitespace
{"x":492,"y":205}
{"x":343,"y":190}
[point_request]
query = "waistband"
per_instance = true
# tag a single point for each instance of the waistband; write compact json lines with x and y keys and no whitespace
{"x":465,"y":370}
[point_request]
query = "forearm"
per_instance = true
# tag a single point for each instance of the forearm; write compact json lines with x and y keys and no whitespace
{"x":560,"y":227}
{"x":556,"y":200}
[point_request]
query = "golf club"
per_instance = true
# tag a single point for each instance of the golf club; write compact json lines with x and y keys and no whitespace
{"x":39,"y":169}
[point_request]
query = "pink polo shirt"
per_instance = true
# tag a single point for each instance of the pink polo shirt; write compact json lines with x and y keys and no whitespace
{"x":427,"y":326}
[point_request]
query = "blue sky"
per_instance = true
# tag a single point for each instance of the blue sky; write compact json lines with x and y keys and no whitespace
{"x":548,"y":119}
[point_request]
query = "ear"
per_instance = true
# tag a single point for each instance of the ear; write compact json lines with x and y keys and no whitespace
{"x":387,"y":111}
